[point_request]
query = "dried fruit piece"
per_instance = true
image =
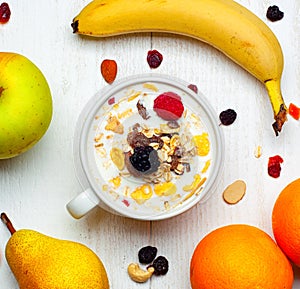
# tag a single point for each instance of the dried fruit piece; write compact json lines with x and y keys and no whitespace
{"x":142,"y":194}
{"x":160,"y":265}
{"x":154,"y":58}
{"x":4,"y":13}
{"x":114,"y":125}
{"x":227,"y":117}
{"x":147,"y":254}
{"x":274,"y":167}
{"x":142,"y":110}
{"x":234,"y":192}
{"x":109,"y":70}
{"x":202,"y":144}
{"x":193,"y":87}
{"x":274,"y":14}
{"x":294,"y":111}
{"x":117,"y":157}
{"x":168,"y":106}
{"x":111,"y":101}
{"x":116,"y":181}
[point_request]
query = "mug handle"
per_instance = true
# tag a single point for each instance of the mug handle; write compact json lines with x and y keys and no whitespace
{"x":82,"y":204}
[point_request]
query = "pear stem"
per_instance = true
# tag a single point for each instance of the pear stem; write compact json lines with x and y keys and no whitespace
{"x":8,"y":223}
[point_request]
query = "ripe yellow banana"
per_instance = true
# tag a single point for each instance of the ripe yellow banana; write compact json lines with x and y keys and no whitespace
{"x":224,"y":24}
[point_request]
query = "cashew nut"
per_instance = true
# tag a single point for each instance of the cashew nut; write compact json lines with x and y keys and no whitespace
{"x":139,"y":275}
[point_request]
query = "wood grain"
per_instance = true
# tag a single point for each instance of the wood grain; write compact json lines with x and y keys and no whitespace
{"x":36,"y":186}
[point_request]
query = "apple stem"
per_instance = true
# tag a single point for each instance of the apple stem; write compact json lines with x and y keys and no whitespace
{"x":8,"y":223}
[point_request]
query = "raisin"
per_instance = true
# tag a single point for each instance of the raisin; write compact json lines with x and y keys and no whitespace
{"x":160,"y":265}
{"x":154,"y":58}
{"x":227,"y":117}
{"x":274,"y":14}
{"x":4,"y":13}
{"x":147,"y":254}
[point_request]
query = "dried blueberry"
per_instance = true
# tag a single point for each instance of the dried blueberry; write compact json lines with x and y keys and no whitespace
{"x":227,"y":117}
{"x":160,"y":265}
{"x":147,"y":254}
{"x":274,"y":14}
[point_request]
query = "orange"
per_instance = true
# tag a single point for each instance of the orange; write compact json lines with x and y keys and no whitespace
{"x":239,"y":257}
{"x":286,"y":221}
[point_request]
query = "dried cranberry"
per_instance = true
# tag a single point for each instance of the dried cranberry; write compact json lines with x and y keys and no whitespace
{"x":4,"y":13}
{"x":227,"y":117}
{"x":274,"y":167}
{"x":111,"y":101}
{"x":193,"y":87}
{"x":154,"y":58}
{"x":274,"y":14}
{"x":147,"y":254}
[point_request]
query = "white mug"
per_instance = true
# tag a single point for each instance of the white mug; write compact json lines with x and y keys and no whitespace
{"x":96,"y":172}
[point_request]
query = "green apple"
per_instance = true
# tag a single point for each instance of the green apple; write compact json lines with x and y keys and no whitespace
{"x":25,"y":104}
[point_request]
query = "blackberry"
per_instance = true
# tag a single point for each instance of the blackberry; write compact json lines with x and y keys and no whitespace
{"x":274,"y":14}
{"x":160,"y":265}
{"x":145,"y":159}
{"x":227,"y":117}
{"x":147,"y":254}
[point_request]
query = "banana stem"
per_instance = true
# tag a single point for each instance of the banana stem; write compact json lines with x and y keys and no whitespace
{"x":8,"y":223}
{"x":278,"y":105}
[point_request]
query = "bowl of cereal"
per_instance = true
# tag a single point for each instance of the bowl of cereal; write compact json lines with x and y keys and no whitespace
{"x":146,"y":147}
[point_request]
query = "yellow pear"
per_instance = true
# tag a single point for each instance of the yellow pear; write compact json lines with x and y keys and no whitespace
{"x":42,"y":262}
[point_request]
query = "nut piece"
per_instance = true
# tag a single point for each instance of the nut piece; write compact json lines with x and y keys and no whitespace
{"x":234,"y":192}
{"x":258,"y":152}
{"x":137,"y":274}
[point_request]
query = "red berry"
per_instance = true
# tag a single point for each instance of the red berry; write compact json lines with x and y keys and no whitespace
{"x":4,"y":13}
{"x":154,"y":58}
{"x":274,"y":167}
{"x":168,"y":106}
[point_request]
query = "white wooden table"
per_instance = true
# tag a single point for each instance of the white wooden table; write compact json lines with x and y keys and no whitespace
{"x":35,"y":187}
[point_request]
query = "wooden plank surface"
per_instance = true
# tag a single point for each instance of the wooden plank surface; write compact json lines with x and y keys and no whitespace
{"x":36,"y":186}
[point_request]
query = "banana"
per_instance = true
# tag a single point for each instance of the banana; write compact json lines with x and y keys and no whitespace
{"x":224,"y":24}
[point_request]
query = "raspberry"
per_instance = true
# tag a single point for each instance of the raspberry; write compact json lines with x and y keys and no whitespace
{"x":168,"y":106}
